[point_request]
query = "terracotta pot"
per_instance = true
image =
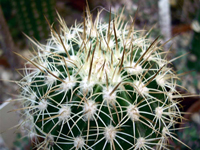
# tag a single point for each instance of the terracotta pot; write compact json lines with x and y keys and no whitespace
{"x":195,"y":107}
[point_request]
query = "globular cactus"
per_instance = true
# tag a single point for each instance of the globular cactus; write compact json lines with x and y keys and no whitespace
{"x":99,"y":86}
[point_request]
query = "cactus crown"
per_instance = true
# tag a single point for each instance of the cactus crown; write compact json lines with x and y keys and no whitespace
{"x":99,"y":86}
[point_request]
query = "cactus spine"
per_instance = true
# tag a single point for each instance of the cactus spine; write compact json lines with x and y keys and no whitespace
{"x":99,"y":86}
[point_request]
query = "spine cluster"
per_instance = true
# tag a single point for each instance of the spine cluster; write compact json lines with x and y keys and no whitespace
{"x":100,"y":86}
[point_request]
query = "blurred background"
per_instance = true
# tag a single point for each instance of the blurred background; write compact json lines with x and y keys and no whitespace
{"x":178,"y":20}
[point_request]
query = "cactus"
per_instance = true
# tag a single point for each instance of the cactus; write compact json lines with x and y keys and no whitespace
{"x":32,"y":13}
{"x":99,"y":86}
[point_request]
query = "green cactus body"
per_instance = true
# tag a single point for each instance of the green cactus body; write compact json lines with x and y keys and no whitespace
{"x":99,"y":86}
